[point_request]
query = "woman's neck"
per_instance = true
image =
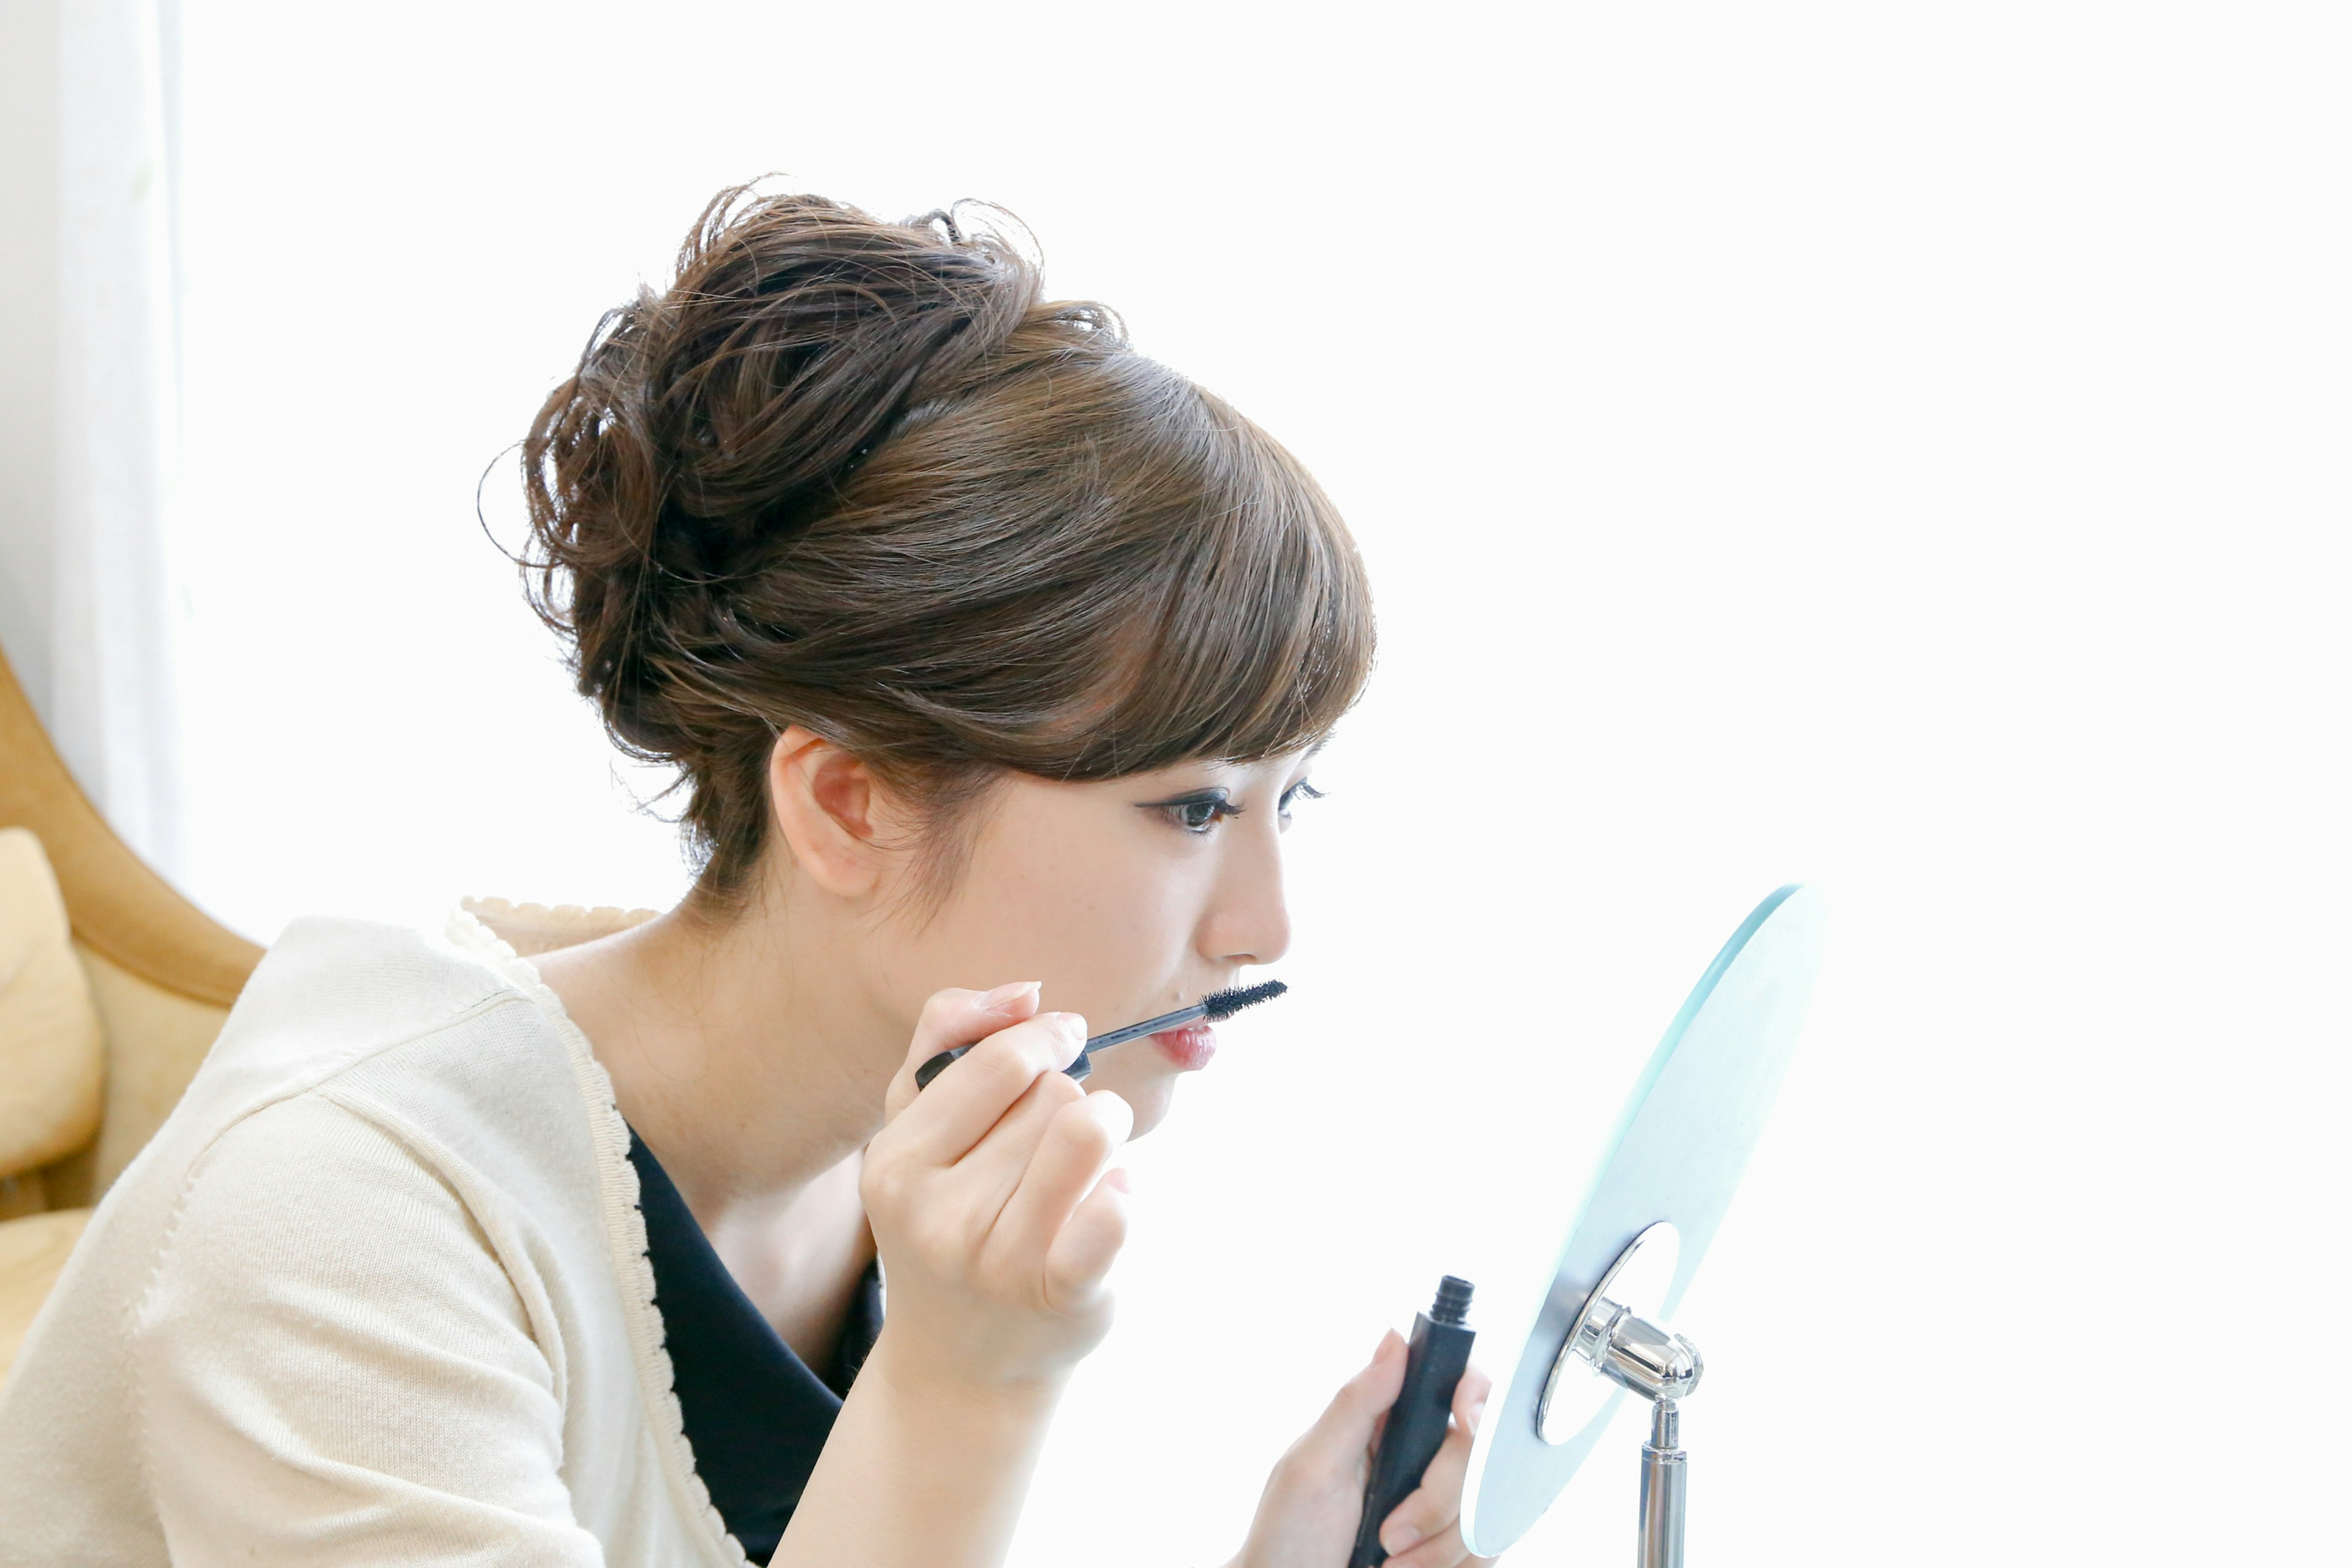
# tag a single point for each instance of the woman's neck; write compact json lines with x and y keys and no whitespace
{"x":737,"y":1049}
{"x":744,"y":1055}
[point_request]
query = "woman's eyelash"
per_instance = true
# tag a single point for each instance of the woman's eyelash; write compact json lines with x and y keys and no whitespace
{"x":1204,"y":809}
{"x":1198,"y":811}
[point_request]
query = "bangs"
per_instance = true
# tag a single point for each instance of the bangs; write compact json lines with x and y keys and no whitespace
{"x":1263,"y":636}
{"x":1097,"y":570}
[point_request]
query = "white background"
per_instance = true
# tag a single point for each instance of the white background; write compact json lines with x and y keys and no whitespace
{"x":1897,"y":447}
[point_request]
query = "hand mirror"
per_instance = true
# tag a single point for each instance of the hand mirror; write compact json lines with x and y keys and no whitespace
{"x":1668,"y":1173}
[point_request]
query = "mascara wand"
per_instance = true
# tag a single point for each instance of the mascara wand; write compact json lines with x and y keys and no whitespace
{"x":1214,"y":1007}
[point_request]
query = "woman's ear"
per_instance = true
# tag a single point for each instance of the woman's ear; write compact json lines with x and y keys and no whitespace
{"x":833,"y":814}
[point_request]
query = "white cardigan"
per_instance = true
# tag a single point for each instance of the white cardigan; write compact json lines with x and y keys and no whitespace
{"x":376,"y":1293}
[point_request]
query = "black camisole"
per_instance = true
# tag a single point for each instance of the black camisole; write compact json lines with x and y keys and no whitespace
{"x":756,"y":1416}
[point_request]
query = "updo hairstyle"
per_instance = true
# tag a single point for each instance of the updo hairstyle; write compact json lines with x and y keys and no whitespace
{"x":861,"y":477}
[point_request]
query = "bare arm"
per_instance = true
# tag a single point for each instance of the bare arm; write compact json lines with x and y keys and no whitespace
{"x":996,"y":1225}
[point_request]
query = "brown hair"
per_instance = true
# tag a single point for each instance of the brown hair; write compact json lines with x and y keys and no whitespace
{"x":861,"y":477}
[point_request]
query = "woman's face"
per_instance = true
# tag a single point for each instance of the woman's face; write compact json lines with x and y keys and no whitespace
{"x":1126,"y":898}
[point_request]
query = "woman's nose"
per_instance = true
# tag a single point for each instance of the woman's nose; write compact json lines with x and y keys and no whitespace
{"x":1249,"y":920}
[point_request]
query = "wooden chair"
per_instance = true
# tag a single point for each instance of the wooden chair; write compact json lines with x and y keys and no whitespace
{"x":160,"y":976}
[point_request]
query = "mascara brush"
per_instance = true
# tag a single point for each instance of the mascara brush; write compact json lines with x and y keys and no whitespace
{"x":1214,"y":1007}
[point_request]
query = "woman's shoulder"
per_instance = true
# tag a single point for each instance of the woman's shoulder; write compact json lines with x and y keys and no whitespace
{"x":332,"y":992}
{"x":370,"y":1069}
{"x":448,"y":1022}
{"x":374,"y":981}
{"x":445,"y":1043}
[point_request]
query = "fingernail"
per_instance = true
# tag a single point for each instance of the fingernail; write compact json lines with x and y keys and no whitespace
{"x":1117,"y":1176}
{"x":1396,"y":1538}
{"x":1012,"y":993}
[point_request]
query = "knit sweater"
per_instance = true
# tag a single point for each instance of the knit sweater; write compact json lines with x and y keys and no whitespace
{"x":375,"y":1293}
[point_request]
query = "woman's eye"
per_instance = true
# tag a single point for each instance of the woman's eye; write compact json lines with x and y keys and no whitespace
{"x":1195,"y":812}
{"x":1200,"y":816}
{"x":1302,"y":790}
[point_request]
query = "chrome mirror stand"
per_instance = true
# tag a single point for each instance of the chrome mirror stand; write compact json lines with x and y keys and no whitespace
{"x":1614,"y":1344}
{"x":1664,"y":1479}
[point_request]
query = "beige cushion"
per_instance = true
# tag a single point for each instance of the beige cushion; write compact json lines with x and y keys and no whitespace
{"x":32,"y":1251}
{"x":52,"y":1049}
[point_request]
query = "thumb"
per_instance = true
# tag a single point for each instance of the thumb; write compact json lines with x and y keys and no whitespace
{"x":1344,"y":1430}
{"x":953,"y":1018}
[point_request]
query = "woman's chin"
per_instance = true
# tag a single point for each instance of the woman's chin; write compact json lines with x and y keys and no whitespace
{"x":1149,"y":1097}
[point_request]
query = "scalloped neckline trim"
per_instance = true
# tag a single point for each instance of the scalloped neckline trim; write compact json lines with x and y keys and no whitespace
{"x":624,"y":1223}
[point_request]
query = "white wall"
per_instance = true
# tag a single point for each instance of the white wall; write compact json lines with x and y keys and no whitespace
{"x":28,"y":370}
{"x":89,"y":608}
{"x":1900,"y":449}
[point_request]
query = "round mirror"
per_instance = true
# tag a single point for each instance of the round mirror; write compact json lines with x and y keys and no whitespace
{"x":1677,"y":1156}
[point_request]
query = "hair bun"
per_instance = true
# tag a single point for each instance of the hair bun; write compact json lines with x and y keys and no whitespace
{"x":797,"y":330}
{"x":705,"y":423}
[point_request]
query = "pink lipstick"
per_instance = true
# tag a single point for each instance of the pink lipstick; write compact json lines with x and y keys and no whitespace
{"x":1189,"y":1048}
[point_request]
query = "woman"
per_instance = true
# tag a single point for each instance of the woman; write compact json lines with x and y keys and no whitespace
{"x":991,"y":656}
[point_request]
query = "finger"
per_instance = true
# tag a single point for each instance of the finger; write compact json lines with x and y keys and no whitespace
{"x":1432,"y":1514}
{"x":955,"y":1017}
{"x":1435,"y":1507}
{"x":1445,"y":1549}
{"x":1077,"y":1147}
{"x":1342,"y":1435}
{"x":992,"y":1170}
{"x":1088,"y":1244}
{"x":962,"y":1105}
{"x":1470,"y":1397}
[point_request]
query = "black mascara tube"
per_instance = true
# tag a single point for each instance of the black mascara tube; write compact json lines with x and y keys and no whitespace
{"x":1434,"y":1362}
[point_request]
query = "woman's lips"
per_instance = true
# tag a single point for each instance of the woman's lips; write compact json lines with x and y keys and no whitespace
{"x":1189,"y":1048}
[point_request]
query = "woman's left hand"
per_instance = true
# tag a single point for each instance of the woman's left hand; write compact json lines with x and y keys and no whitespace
{"x":1315,"y":1499}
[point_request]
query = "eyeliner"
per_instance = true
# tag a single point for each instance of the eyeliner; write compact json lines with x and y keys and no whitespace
{"x":1214,"y":1007}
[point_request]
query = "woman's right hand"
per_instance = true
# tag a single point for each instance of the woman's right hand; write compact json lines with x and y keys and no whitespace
{"x":993,"y":1204}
